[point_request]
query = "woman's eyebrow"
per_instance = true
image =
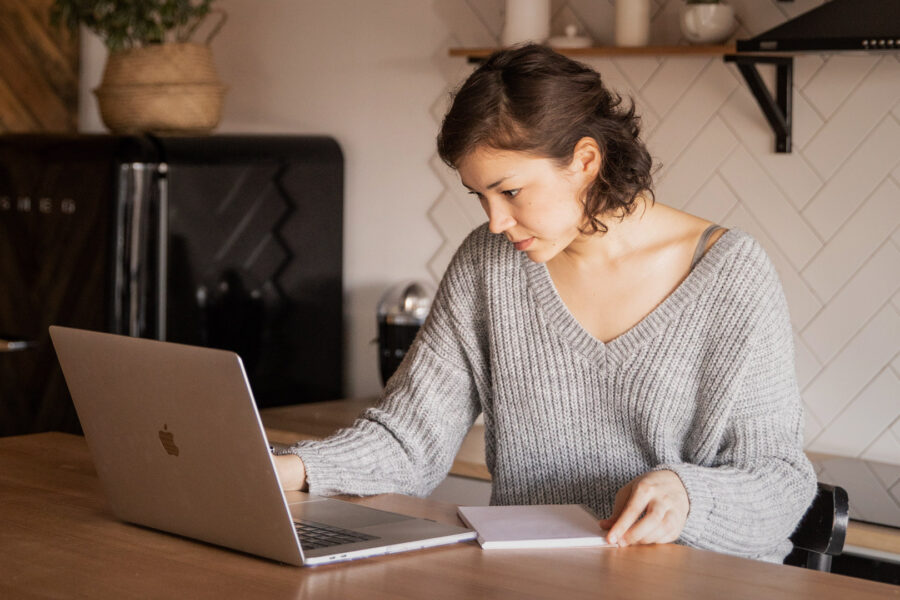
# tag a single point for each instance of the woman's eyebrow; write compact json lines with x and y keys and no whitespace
{"x":490,"y":187}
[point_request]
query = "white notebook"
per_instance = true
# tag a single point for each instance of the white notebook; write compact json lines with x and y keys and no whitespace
{"x":537,"y":526}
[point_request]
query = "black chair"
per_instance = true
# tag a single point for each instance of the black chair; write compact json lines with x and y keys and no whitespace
{"x":822,"y":531}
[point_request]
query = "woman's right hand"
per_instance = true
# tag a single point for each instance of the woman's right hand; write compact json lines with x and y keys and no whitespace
{"x":291,"y":472}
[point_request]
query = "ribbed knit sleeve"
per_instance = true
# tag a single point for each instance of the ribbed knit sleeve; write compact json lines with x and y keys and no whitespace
{"x":406,"y":444}
{"x":752,"y":494}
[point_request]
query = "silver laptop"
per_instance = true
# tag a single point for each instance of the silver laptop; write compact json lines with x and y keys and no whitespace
{"x":179,"y":446}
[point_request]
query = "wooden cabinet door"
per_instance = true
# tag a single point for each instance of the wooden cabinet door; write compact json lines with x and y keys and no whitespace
{"x":38,"y":70}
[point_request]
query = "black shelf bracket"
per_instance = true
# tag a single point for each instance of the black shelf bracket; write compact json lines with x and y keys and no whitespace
{"x":778,"y":110}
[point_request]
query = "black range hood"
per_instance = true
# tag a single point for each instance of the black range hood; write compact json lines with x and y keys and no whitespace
{"x":836,"y":25}
{"x":839,"y":25}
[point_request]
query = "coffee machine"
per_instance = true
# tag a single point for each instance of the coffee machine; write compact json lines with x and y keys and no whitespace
{"x":401,"y":312}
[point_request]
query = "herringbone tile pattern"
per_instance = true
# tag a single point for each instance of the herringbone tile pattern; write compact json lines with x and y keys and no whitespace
{"x":828,"y":214}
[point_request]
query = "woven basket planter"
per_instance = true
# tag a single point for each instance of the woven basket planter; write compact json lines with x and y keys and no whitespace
{"x":167,"y":89}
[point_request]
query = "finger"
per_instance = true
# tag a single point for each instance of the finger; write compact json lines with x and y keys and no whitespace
{"x":621,"y":498}
{"x":636,"y":504}
{"x":649,"y":529}
{"x":619,"y":504}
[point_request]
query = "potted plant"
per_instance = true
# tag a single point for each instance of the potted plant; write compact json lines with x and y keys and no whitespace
{"x":707,"y":21}
{"x":156,"y":79}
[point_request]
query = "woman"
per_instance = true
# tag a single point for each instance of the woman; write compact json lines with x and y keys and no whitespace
{"x":622,"y":356}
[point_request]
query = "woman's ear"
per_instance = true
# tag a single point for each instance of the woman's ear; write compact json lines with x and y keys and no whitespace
{"x":586,"y":158}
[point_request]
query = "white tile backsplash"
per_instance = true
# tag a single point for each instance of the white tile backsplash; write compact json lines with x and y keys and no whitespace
{"x":762,"y":198}
{"x":696,"y":164}
{"x":868,"y":290}
{"x":854,"y":367}
{"x":440,"y":260}
{"x":691,"y":113}
{"x":856,"y":240}
{"x":466,"y":24}
{"x":599,"y":16}
{"x":805,"y":68}
{"x":811,"y":426}
{"x":794,"y":8}
{"x":863,"y":419}
{"x":638,"y":70}
{"x":870,"y":500}
{"x":835,"y":80}
{"x":856,"y":179}
{"x":895,"y":493}
{"x":856,"y":116}
{"x":668,"y":84}
{"x":896,"y":172}
{"x":664,"y":27}
{"x":885,"y":449}
{"x":713,"y":201}
{"x":449,"y":220}
{"x":466,"y":204}
{"x":790,"y":172}
{"x":755,"y":15}
{"x":490,"y":13}
{"x":807,"y":123}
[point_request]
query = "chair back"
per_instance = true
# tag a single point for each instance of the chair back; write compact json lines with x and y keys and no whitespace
{"x":823,"y":529}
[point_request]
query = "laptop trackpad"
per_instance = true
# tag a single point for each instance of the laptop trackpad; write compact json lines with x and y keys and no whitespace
{"x":342,"y":514}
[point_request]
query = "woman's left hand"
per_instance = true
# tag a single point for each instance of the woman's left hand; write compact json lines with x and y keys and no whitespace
{"x":650,"y":509}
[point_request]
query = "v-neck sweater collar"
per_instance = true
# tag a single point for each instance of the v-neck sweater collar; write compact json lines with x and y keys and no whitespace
{"x":616,"y":350}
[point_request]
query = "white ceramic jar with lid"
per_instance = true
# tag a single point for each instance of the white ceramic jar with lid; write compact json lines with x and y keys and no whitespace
{"x":632,"y":22}
{"x":526,"y":21}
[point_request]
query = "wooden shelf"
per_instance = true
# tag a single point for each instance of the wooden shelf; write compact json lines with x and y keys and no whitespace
{"x":477,"y":54}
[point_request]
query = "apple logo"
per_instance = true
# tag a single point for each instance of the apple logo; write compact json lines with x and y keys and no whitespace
{"x":168,"y":440}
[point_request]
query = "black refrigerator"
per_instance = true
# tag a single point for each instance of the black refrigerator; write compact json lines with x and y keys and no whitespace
{"x":227,"y":241}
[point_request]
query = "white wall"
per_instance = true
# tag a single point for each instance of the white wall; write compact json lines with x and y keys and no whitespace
{"x":375,"y":75}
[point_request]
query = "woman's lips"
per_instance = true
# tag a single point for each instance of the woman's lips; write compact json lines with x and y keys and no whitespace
{"x":524,"y":244}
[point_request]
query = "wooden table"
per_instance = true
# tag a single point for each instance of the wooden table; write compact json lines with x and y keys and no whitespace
{"x":59,"y":539}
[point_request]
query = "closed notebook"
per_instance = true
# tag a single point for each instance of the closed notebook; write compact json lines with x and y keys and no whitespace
{"x":537,"y":526}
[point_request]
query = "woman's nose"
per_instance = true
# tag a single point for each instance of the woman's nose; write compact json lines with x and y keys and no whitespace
{"x":499,"y":217}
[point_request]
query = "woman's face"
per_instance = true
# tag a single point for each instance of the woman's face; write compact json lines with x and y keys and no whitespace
{"x":532,"y":201}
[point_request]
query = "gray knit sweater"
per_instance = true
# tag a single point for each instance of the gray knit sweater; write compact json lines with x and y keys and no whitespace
{"x":704,"y":386}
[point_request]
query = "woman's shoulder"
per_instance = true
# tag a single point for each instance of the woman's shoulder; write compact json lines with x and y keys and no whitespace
{"x":741,"y":278}
{"x":481,"y":250}
{"x":481,"y":239}
{"x":743,"y":257}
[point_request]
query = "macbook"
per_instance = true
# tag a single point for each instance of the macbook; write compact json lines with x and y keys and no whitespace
{"x":179,"y":446}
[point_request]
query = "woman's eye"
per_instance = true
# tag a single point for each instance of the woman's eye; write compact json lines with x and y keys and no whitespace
{"x":510,"y":193}
{"x":477,"y":195}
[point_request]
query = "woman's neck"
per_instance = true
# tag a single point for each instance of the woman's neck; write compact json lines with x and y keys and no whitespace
{"x":622,"y":239}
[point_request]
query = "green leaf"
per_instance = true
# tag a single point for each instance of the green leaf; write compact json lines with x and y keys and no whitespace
{"x":129,"y":23}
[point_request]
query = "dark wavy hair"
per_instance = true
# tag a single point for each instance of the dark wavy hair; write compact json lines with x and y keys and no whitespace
{"x":534,"y":100}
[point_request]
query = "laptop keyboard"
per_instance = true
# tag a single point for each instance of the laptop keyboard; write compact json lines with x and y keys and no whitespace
{"x":319,"y":535}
